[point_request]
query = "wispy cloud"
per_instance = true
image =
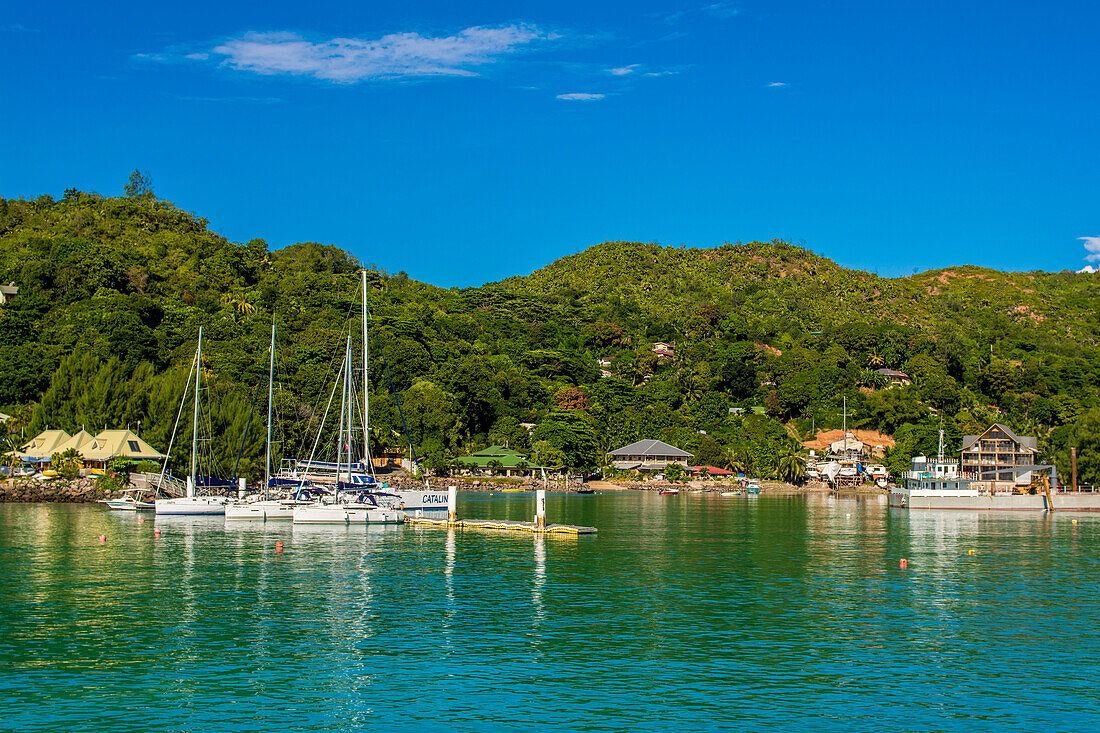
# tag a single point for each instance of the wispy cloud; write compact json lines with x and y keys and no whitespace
{"x":1092,"y":246}
{"x":581,"y":97}
{"x":714,"y":10}
{"x":623,"y":70}
{"x":777,"y":84}
{"x":351,"y":60}
{"x":18,"y":28}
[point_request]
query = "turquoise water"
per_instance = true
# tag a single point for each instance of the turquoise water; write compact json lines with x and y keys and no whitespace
{"x":684,"y":613}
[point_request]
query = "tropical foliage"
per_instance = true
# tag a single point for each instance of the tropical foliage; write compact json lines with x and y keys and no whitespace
{"x":768,"y":338}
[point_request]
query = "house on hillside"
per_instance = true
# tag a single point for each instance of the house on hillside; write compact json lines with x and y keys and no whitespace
{"x":648,"y":455}
{"x":894,"y":378}
{"x":604,"y":365}
{"x":7,"y":292}
{"x":997,"y":454}
{"x":664,"y":349}
{"x":110,"y":444}
{"x":512,"y":462}
{"x":40,"y":448}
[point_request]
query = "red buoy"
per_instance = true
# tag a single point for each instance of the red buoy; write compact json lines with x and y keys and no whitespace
{"x":903,"y":564}
{"x":102,"y":538}
{"x":278,"y":547}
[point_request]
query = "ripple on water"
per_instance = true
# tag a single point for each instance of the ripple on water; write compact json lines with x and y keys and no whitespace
{"x":688,"y":612}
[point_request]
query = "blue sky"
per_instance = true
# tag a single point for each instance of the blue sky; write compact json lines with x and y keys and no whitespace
{"x":467,"y":142}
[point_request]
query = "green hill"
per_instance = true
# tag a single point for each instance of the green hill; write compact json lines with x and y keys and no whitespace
{"x":112,"y":291}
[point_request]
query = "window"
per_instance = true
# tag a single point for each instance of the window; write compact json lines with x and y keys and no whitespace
{"x":133,"y":446}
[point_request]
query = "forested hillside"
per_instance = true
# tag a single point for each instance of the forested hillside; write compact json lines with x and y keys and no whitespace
{"x":112,"y":292}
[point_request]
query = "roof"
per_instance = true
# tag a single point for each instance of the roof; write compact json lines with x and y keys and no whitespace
{"x":507,"y":458}
{"x":44,"y":444}
{"x":712,"y":470}
{"x":120,"y":444}
{"x":650,"y":448}
{"x":887,"y":372}
{"x":75,"y":442}
{"x":1027,"y":441}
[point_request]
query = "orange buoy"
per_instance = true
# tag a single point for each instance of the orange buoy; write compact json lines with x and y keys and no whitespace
{"x":141,"y":520}
{"x":903,"y":563}
{"x":156,"y":532}
{"x":278,"y":547}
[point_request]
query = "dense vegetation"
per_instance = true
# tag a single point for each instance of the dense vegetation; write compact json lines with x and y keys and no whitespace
{"x":113,"y":290}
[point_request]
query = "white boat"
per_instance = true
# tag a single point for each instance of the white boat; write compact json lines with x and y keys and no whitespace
{"x":731,"y":493}
{"x":263,"y":509}
{"x":360,"y":510}
{"x":128,"y":502}
{"x":191,"y":504}
{"x":355,"y":472}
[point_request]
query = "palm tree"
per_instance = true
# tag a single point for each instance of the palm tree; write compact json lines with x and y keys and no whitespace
{"x":875,"y":359}
{"x":791,"y":468}
{"x":734,"y":461}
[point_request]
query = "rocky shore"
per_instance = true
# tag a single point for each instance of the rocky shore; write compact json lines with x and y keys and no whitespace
{"x":78,"y":491}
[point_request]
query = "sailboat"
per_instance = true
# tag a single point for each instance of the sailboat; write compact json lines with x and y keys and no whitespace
{"x":358,"y":476}
{"x":262,"y":506}
{"x":353,"y":503}
{"x":190,"y":503}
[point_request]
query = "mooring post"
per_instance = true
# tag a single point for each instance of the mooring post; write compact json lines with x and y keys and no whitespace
{"x":540,"y":509}
{"x":241,"y":490}
{"x":1073,"y":463}
{"x":452,"y":503}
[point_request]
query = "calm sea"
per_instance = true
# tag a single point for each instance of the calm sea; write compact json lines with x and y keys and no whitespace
{"x":684,"y":613}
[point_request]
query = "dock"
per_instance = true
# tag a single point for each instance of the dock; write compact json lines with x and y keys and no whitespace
{"x":501,"y":524}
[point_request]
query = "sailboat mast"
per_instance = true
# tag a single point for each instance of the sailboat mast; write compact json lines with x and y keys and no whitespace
{"x":366,"y":381}
{"x":195,"y":419}
{"x":343,"y":407}
{"x":270,"y":393}
{"x":347,"y":381}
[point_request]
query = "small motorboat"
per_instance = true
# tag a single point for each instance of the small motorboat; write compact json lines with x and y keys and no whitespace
{"x":731,"y":493}
{"x":668,"y":492}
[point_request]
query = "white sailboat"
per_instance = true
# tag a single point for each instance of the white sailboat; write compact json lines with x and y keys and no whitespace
{"x":261,"y":506}
{"x":349,"y":505}
{"x":358,"y":476}
{"x":191,"y":503}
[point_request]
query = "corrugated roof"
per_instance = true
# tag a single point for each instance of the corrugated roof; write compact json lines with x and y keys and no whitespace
{"x":650,"y":448}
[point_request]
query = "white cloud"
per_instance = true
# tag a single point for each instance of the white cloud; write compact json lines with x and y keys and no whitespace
{"x":1092,"y":246}
{"x":392,"y":56}
{"x":1089,"y":269}
{"x":715,"y":10}
{"x":666,"y":72}
{"x":623,"y":70}
{"x":777,"y":84}
{"x":581,"y":97}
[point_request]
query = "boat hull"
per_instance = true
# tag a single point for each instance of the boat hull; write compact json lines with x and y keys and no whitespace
{"x":262,"y":511}
{"x":191,"y":506}
{"x":901,"y":498}
{"x":346,"y":514}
